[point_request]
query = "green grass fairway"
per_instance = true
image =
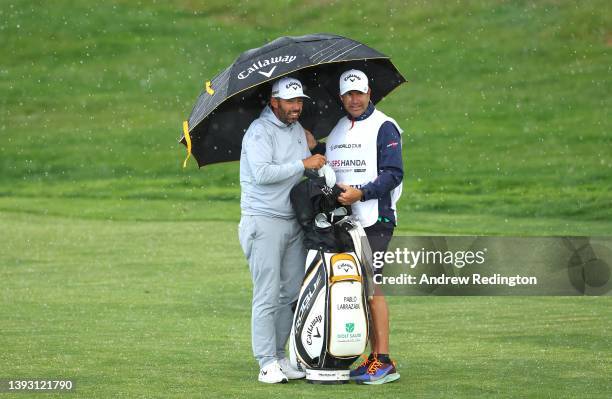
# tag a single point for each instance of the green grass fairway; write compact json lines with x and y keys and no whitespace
{"x":123,"y":271}
{"x":162,"y":309}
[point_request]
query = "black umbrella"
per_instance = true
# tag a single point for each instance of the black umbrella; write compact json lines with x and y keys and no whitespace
{"x":236,"y":97}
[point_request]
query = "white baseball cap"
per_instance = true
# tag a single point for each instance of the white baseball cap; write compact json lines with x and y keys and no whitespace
{"x":353,"y":79}
{"x":288,"y":88}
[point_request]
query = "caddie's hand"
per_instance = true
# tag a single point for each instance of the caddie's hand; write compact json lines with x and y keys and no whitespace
{"x":310,"y":139}
{"x":314,"y":162}
{"x":350,"y":195}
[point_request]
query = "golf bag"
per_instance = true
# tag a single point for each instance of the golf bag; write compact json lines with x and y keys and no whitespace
{"x":331,"y":320}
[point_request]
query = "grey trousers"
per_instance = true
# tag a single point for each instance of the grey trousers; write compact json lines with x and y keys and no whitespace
{"x":275,"y":251}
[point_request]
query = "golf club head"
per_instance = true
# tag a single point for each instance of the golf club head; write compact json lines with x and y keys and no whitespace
{"x":338,"y":213}
{"x":321,"y":221}
{"x":329,"y":174}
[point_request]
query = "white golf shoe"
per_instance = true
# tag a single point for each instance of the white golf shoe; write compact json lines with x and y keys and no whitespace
{"x":291,"y":372}
{"x":271,"y":373}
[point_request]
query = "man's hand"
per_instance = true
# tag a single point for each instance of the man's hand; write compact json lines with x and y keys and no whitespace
{"x":312,"y":142}
{"x":350,"y":195}
{"x":314,"y":162}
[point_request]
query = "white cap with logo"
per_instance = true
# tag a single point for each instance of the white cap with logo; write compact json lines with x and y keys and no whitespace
{"x":353,"y":79}
{"x":288,"y":88}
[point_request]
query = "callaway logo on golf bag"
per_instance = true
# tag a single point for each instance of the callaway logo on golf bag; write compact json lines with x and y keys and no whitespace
{"x":346,"y":266}
{"x":311,"y":327}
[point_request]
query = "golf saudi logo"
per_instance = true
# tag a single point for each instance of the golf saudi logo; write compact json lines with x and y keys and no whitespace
{"x":263,"y":66}
{"x":349,"y":334}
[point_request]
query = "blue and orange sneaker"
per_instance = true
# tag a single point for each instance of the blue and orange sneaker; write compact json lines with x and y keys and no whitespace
{"x":378,"y":373}
{"x":362,"y":368}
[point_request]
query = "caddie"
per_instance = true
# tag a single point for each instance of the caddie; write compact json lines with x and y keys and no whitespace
{"x":365,"y":151}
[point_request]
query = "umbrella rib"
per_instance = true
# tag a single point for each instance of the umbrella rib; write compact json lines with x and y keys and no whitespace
{"x":331,"y":51}
{"x":200,"y":111}
{"x":316,"y":55}
{"x":224,"y":75}
{"x":338,"y":55}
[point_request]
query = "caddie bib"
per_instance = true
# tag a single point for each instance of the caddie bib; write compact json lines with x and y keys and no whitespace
{"x":352,"y":154}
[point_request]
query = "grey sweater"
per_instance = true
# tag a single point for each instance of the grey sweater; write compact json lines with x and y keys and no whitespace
{"x":270,"y":165}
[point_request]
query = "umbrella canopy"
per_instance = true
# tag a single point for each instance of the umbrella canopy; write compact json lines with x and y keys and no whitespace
{"x":234,"y":98}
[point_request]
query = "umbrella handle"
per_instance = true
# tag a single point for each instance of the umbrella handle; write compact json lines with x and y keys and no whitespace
{"x":188,"y":140}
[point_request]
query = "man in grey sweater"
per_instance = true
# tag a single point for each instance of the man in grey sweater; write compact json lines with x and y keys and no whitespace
{"x":275,"y":152}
